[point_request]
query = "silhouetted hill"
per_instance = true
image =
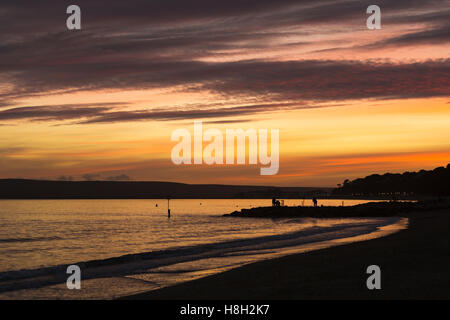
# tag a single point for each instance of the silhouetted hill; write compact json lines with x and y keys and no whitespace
{"x":433,"y":182}
{"x":40,"y":189}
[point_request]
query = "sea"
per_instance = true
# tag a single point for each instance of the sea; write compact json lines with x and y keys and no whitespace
{"x":124,"y":247}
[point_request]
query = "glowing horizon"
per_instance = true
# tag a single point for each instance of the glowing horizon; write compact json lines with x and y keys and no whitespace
{"x":102,"y":102}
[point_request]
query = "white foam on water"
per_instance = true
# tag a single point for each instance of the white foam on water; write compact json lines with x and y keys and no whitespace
{"x":135,"y":273}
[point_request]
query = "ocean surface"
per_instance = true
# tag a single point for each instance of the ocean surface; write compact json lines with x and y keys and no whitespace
{"x":129,"y":246}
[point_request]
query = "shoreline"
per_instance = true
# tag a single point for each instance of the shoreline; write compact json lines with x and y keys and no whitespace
{"x":268,"y":247}
{"x":413,"y":264}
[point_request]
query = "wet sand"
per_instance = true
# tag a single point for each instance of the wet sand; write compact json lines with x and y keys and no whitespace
{"x":415,"y":264}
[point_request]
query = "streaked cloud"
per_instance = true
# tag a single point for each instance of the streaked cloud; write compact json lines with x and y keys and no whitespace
{"x":146,"y":44}
{"x":72,"y":103}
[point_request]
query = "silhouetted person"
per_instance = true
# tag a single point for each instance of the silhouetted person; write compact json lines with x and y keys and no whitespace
{"x":315,"y":201}
{"x":275,"y":202}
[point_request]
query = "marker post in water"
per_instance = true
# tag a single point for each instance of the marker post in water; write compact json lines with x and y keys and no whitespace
{"x":168,"y":208}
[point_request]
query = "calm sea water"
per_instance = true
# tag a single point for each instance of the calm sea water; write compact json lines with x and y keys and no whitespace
{"x":38,"y":237}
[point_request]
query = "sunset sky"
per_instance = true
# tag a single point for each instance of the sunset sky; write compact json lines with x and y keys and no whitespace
{"x":102,"y":102}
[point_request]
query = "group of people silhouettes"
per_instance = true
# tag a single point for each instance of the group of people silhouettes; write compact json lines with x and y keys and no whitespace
{"x":277,"y":203}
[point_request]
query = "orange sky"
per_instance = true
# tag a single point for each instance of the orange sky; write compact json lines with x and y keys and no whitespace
{"x":348,"y":101}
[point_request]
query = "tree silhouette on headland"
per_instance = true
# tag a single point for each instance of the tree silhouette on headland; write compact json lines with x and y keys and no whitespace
{"x":432,"y":182}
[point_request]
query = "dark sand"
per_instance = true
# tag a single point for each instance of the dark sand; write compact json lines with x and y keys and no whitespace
{"x":415,"y":264}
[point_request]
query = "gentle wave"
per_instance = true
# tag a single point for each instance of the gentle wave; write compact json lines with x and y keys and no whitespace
{"x":142,"y":262}
{"x":11,"y":240}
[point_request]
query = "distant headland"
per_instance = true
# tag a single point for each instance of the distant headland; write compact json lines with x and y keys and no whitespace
{"x":422,"y":183}
{"x":46,"y":189}
{"x":409,"y":185}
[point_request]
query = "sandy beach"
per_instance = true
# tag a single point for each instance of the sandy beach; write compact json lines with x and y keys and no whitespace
{"x":414,"y":265}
